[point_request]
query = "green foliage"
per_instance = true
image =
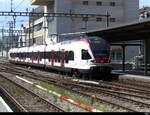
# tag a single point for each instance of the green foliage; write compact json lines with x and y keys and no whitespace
{"x":37,"y":99}
{"x":17,"y":91}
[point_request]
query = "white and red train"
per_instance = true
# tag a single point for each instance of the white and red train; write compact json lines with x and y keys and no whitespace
{"x":85,"y":56}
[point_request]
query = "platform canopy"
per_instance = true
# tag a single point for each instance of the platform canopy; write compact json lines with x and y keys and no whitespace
{"x":138,"y":30}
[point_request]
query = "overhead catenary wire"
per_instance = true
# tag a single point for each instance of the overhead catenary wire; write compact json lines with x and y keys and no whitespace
{"x":19,"y":5}
{"x":6,"y":18}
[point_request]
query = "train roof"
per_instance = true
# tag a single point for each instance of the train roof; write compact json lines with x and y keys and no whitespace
{"x":56,"y":46}
{"x":37,"y":48}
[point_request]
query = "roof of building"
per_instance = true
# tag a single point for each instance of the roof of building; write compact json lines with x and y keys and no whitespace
{"x":40,"y":2}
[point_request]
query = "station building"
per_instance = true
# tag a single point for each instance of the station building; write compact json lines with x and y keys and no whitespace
{"x":46,"y":29}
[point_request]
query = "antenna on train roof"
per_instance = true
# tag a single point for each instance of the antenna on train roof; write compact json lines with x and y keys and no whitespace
{"x":71,"y":36}
{"x":76,"y":33}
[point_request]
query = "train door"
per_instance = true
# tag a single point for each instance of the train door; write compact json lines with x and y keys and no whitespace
{"x":38,"y":54}
{"x":62,"y":56}
{"x":24,"y":57}
{"x":32,"y":57}
{"x":52,"y":58}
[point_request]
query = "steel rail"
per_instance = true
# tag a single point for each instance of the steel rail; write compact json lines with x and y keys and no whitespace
{"x":55,"y":82}
{"x":13,"y":100}
{"x":30,"y":92}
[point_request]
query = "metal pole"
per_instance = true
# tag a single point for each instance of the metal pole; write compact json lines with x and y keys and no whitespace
{"x":2,"y":41}
{"x":29,"y":30}
{"x":123,"y":59}
{"x":32,"y":19}
{"x":145,"y":56}
{"x":107,"y":16}
{"x":44,"y":35}
{"x":32,"y":31}
{"x":25,"y":32}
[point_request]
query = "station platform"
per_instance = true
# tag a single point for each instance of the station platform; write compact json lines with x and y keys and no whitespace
{"x":3,"y":106}
{"x":132,"y":75}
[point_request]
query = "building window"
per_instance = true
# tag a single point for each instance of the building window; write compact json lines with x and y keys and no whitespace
{"x":112,"y":3}
{"x":99,"y":3}
{"x":85,"y":3}
{"x":71,"y":55}
{"x":112,"y":19}
{"x":34,"y":40}
{"x":98,"y":19}
{"x":85,"y":19}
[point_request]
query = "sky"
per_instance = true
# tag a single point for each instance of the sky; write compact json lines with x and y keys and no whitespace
{"x":144,"y":3}
{"x":22,"y":5}
{"x":18,"y":5}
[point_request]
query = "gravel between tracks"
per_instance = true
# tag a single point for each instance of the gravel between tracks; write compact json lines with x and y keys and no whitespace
{"x":69,"y":108}
{"x":24,"y":98}
{"x":49,"y":97}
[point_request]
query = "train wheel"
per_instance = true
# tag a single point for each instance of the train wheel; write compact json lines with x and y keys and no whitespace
{"x":77,"y":73}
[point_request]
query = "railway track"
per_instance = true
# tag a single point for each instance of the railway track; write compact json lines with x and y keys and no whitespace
{"x":121,"y":89}
{"x":104,"y":88}
{"x":27,"y":108}
{"x":64,"y":85}
{"x":12,"y":99}
{"x":128,"y":84}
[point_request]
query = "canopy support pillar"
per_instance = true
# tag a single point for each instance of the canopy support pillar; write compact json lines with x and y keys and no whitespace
{"x":145,"y":56}
{"x":123,"y":58}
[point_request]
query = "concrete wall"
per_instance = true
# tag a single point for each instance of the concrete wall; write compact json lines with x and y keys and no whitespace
{"x":63,"y":24}
{"x":123,"y":11}
{"x":131,"y":8}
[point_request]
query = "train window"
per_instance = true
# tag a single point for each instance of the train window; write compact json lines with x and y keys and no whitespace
{"x":30,"y":55}
{"x":24,"y":55}
{"x":27,"y":55}
{"x":18,"y":55}
{"x":44,"y":55}
{"x":71,"y":55}
{"x":41,"y":54}
{"x":55,"y":56}
{"x":85,"y":54}
{"x":35,"y":56}
{"x":66,"y":56}
{"x":49,"y":56}
{"x":12,"y":55}
{"x":52,"y":55}
{"x":85,"y":2}
{"x":59,"y":56}
{"x":21,"y":55}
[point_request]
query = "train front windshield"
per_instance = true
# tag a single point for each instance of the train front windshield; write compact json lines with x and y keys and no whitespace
{"x":99,"y":47}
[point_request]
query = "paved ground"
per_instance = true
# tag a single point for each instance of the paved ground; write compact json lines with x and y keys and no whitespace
{"x":135,"y":75}
{"x":3,"y":106}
